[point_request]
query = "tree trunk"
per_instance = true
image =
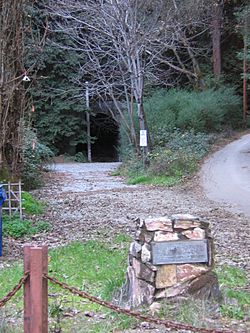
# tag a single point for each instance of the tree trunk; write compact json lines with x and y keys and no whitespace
{"x":12,"y":91}
{"x":217,"y":12}
{"x":143,"y":124}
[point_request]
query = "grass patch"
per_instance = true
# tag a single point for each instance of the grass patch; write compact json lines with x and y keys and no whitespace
{"x":31,"y":205}
{"x":16,"y":228}
{"x":116,"y":173}
{"x":154,"y":180}
{"x":99,"y":269}
{"x":192,"y":311}
{"x":92,"y":266}
{"x":232,"y":277}
{"x":236,"y":303}
{"x":95,"y":267}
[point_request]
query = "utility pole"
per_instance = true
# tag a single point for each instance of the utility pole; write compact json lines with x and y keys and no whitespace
{"x":246,"y":33}
{"x":245,"y":83}
{"x":88,"y":123}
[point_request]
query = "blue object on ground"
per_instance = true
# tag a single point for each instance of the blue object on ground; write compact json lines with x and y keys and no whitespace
{"x":3,"y":197}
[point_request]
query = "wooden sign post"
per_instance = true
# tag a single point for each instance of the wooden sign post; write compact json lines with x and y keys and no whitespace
{"x":36,"y":290}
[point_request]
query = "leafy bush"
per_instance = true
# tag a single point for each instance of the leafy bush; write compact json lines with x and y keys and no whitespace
{"x":171,"y":163}
{"x":31,"y":205}
{"x":177,"y":154}
{"x":181,"y":124}
{"x":16,"y":228}
{"x":207,"y":110}
{"x":190,"y":142}
{"x":80,"y":157}
{"x":35,"y":156}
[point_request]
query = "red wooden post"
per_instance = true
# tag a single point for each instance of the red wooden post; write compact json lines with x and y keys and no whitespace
{"x":45,"y":290}
{"x":36,"y":290}
{"x":27,"y":306}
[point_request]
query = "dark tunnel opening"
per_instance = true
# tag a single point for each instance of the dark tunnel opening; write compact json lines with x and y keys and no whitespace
{"x":105,"y":132}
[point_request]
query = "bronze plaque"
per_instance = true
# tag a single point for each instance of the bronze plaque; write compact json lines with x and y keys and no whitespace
{"x":180,"y":252}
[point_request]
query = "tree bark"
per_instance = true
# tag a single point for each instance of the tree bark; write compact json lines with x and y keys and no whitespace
{"x":12,"y":92}
{"x":217,"y":12}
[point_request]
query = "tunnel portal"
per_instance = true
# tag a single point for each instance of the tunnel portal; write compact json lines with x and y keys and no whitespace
{"x":105,"y":133}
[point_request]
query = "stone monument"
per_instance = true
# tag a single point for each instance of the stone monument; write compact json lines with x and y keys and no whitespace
{"x":170,"y":258}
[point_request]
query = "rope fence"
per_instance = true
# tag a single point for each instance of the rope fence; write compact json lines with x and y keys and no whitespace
{"x":35,"y":282}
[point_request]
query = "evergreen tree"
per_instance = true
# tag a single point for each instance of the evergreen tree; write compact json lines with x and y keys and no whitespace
{"x":59,"y":106}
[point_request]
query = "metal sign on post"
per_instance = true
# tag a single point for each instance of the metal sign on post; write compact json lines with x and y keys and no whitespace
{"x":2,"y":199}
{"x":143,"y":138}
{"x":143,"y":144}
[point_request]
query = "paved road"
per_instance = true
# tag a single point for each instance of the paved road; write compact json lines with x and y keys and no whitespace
{"x":225,"y":176}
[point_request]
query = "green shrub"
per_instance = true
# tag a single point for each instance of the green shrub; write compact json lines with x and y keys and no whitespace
{"x":31,"y":205}
{"x":181,"y":124}
{"x":80,"y":157}
{"x":16,"y":228}
{"x":35,"y":157}
{"x":207,"y":110}
{"x":170,"y":163}
{"x":179,"y":154}
{"x":190,"y":142}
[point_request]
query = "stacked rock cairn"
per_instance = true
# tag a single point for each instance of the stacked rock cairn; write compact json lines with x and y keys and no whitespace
{"x":147,"y":282}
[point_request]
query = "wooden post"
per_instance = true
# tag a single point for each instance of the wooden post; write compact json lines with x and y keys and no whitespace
{"x":9,"y":199}
{"x":27,"y":303}
{"x":20,"y":200}
{"x":36,"y":290}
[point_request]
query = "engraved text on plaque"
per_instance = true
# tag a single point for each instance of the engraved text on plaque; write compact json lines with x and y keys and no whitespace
{"x":180,"y":252}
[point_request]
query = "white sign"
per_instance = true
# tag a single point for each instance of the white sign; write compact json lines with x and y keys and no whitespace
{"x":143,"y":138}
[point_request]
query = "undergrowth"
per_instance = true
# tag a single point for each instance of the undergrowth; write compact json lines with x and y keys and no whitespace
{"x":31,"y":205}
{"x":202,"y":111}
{"x":16,"y":228}
{"x":36,"y":156}
{"x":177,"y":154}
{"x":180,"y":124}
{"x":95,"y":267}
{"x":99,"y":268}
{"x":236,"y":303}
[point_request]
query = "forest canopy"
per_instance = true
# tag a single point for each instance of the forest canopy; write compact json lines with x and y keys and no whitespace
{"x":124,"y":54}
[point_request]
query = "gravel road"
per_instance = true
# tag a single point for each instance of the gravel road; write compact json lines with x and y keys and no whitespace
{"x":88,"y":176}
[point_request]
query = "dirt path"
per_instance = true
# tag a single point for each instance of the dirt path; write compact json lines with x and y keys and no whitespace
{"x":84,"y":202}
